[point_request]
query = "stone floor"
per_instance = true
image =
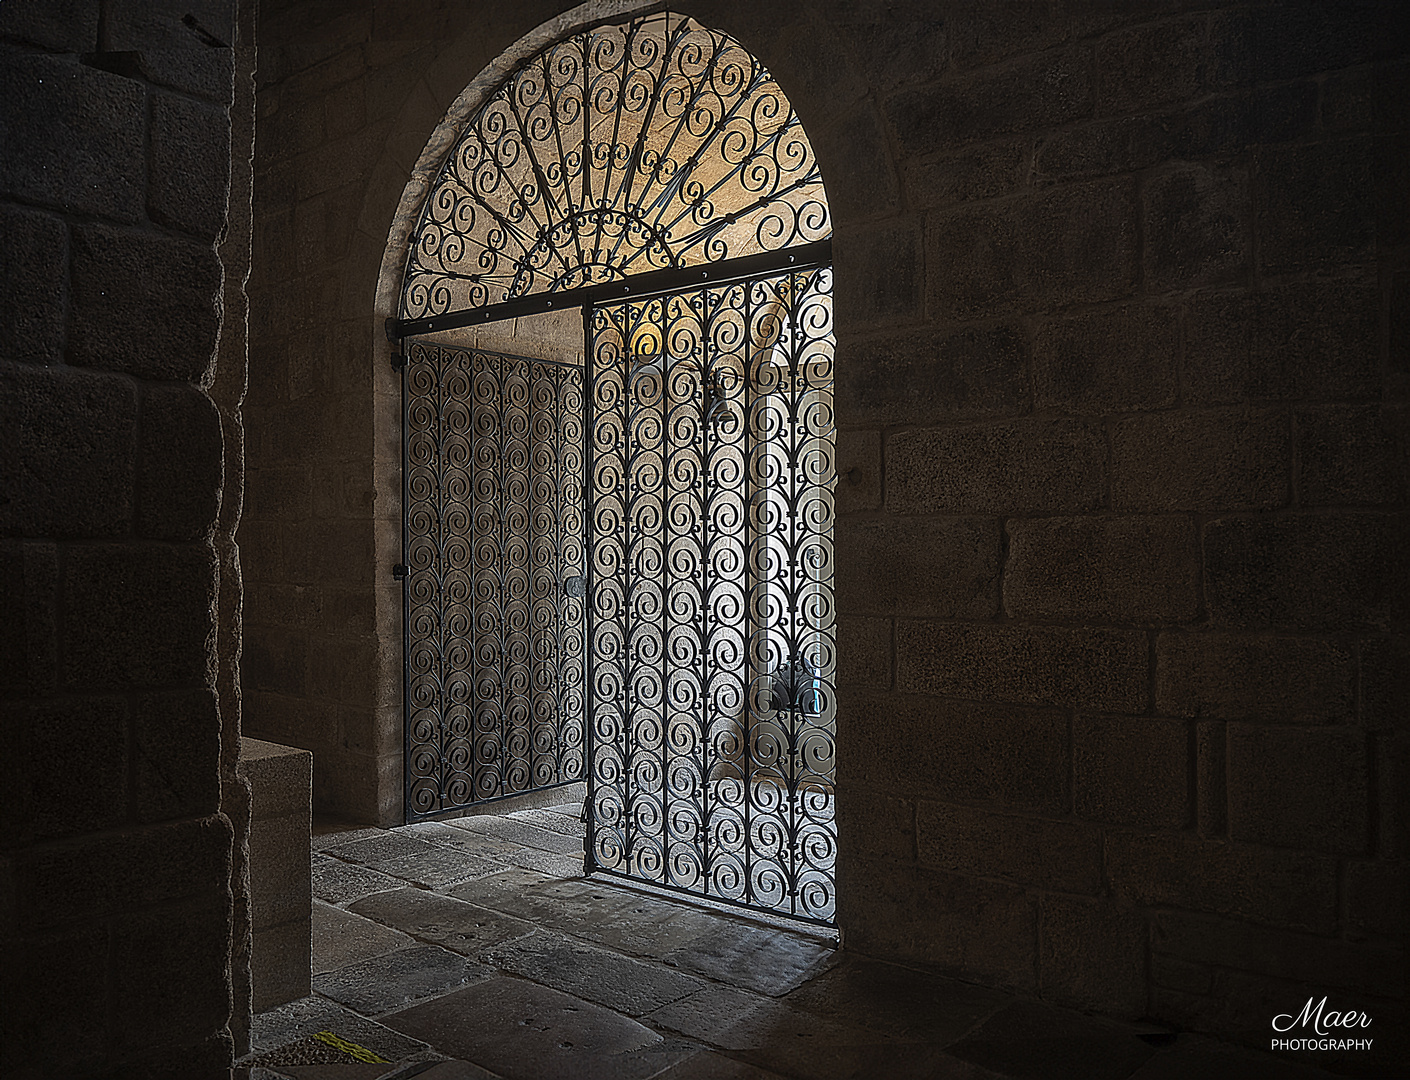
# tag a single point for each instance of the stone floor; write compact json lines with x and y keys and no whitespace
{"x":475,"y":949}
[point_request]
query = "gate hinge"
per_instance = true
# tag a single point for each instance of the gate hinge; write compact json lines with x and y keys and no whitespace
{"x":399,"y":571}
{"x":398,"y":361}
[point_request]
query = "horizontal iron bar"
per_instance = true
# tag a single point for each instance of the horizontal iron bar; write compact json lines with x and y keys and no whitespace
{"x":655,"y":283}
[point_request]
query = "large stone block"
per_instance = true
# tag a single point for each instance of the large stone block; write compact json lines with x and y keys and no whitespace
{"x":1375,"y":897}
{"x":946,"y":567}
{"x":176,"y":755}
{"x":860,"y":181}
{"x":1104,"y":670}
{"x":188,"y":183}
{"x":72,"y":432}
{"x":978,"y":172}
{"x":864,"y":655}
{"x":193,"y":56}
{"x":1150,"y":65}
{"x":1211,"y":785}
{"x":1351,"y":455}
{"x":1061,"y":855}
{"x":1025,"y":467}
{"x":65,"y":26}
{"x":922,"y":377}
{"x":1130,"y":770}
{"x":1051,"y":88}
{"x":29,"y":582}
{"x":66,"y":768}
{"x":137,"y":616}
{"x":1292,"y":889}
{"x":32,"y":280}
{"x":881,"y":825}
{"x":1299,"y":787}
{"x":880,"y":271}
{"x":984,"y":930}
{"x":1384,"y":670}
{"x":1059,"y":246}
{"x":1246,"y":677}
{"x":858,"y":471}
{"x":1195,"y":221}
{"x":1313,"y":572}
{"x":1012,"y":758}
{"x":1092,"y":955}
{"x":1400,"y":322}
{"x":180,"y":464}
{"x":1201,"y":460}
{"x":1104,"y":570}
{"x":71,"y":137}
{"x":1316,"y":205}
{"x":276,"y":661}
{"x":144,"y":303}
{"x":1115,"y":361}
{"x":1310,"y":340}
{"x":1254,"y":44}
{"x":48,"y":982}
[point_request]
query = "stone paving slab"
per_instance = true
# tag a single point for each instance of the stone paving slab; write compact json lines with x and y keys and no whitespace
{"x":385,"y":846}
{"x":499,"y":890}
{"x":756,"y":958}
{"x":708,"y":1065}
{"x":521,"y":832}
{"x":322,"y":841}
{"x":442,"y":920}
{"x":523,"y":1031}
{"x":441,"y":866}
{"x":337,"y":882}
{"x":389,"y":982}
{"x":299,"y":1019}
{"x":1207,"y":1059}
{"x":547,"y":862}
{"x":553,"y":821}
{"x":599,"y":975}
{"x":896,"y":1000}
{"x":708,"y":1014}
{"x":447,"y":1070}
{"x":1030,"y":1040}
{"x":341,"y":938}
{"x":472,"y":843}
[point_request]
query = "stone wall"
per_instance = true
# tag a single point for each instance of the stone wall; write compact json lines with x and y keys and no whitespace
{"x":118,"y":504}
{"x":1121,"y":307}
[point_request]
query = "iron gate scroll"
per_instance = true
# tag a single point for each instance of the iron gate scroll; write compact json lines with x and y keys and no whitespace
{"x":493,"y":519}
{"x":711,"y":627}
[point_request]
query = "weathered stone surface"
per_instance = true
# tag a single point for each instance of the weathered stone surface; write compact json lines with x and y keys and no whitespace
{"x":1211,"y":786}
{"x":1316,"y":205}
{"x":1308,"y":340}
{"x":341,"y":938}
{"x":1131,"y":770}
{"x":1258,"y":45}
{"x":29,"y":580}
{"x":32,"y":310}
{"x":176,"y":754}
{"x":1104,"y":570}
{"x":1201,"y":460}
{"x":313,"y":1014}
{"x":1115,"y":361}
{"x":1350,"y":455}
{"x":947,"y":567}
{"x":1042,"y":91}
{"x":46,"y":981}
{"x":1303,"y":787}
{"x":179,"y":464}
{"x":71,"y":137}
{"x":143,"y":303}
{"x":397,"y":978}
{"x":1010,"y":757}
{"x":1059,"y":855}
{"x":864,"y":652}
{"x":1306,"y":571}
{"x":1385,"y":683}
{"x":442,"y":920}
{"x":923,"y":377}
{"x":1195,"y":220}
{"x":1150,"y":65}
{"x":622,"y":984}
{"x":1038,"y":665}
{"x":982,"y":930}
{"x":862,"y":183}
{"x":1026,"y":467}
{"x":1375,"y":897}
{"x":196,"y":59}
{"x":189,"y":181}
{"x":65,"y":768}
{"x":1291,"y":889}
{"x":522,"y":833}
{"x":1074,"y":1047}
{"x":858,"y":471}
{"x":280,"y":879}
{"x":1092,"y":955}
{"x":1246,"y":677}
{"x":757,"y":958}
{"x":880,"y":274}
{"x":880,"y":824}
{"x":1197,"y":1055}
{"x":138,"y":615}
{"x":1400,"y":322}
{"x":338,"y":882}
{"x":66,"y":26}
{"x":71,"y":435}
{"x":979,"y":172}
{"x":1060,"y":246}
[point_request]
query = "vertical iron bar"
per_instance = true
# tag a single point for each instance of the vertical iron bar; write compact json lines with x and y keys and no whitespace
{"x":589,"y":593}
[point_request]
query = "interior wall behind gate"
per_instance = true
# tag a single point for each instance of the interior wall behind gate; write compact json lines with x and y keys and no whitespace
{"x":1121,"y":307}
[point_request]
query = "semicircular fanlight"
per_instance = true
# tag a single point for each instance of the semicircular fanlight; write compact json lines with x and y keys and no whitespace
{"x":627,"y":148}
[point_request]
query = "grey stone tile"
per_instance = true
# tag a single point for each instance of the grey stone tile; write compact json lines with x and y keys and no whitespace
{"x":515,"y":891}
{"x":446,"y":1070}
{"x":896,"y":1000}
{"x":626,"y":985}
{"x":389,"y":982}
{"x":1195,"y":1055}
{"x":547,"y":862}
{"x":754,"y":957}
{"x":382,"y":848}
{"x":553,"y":821}
{"x":521,"y":832}
{"x":1027,"y":1039}
{"x":338,"y":882}
{"x":302,"y":1018}
{"x":709,"y":1065}
{"x":439,"y":866}
{"x":341,"y":938}
{"x":645,"y":926}
{"x":446,"y":834}
{"x":443,"y":920}
{"x":523,"y":1031}
{"x":708,"y":1014}
{"x":326,"y":840}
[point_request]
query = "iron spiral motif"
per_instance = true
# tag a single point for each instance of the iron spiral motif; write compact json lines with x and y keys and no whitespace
{"x":626,"y":148}
{"x":712,"y":628}
{"x":493,"y":475}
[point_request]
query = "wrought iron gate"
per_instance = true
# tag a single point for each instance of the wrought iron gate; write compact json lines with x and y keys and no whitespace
{"x":711,"y":627}
{"x":492,"y":473}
